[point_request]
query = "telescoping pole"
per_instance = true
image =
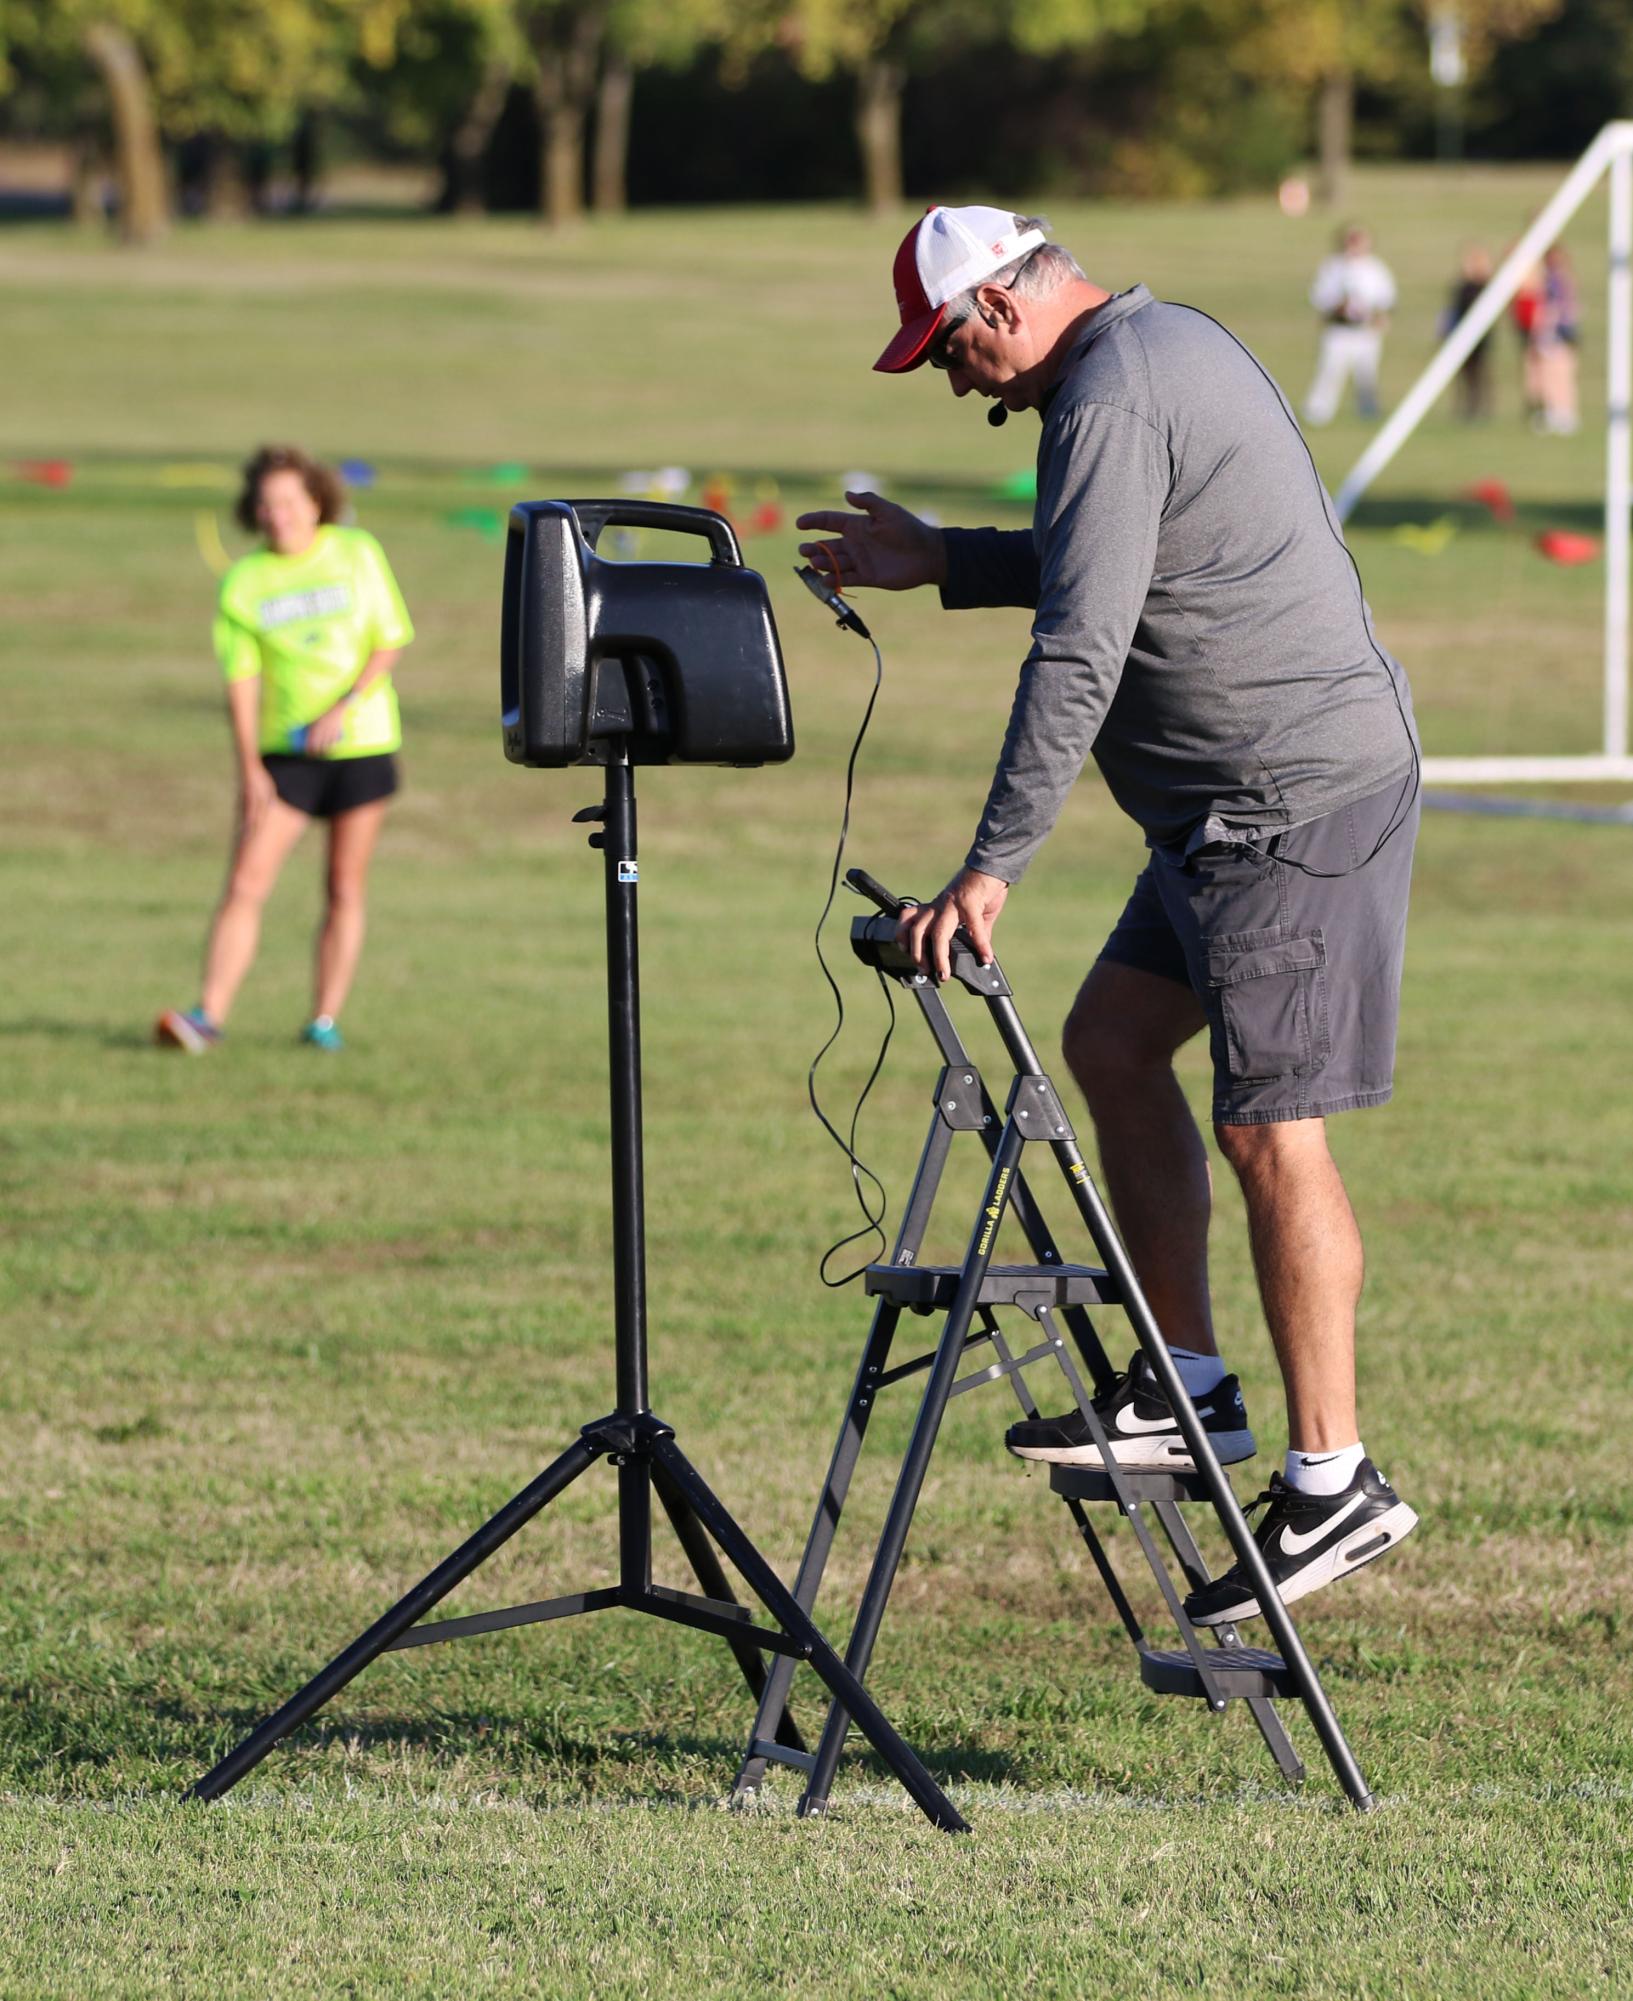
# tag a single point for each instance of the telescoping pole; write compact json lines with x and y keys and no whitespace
{"x":624,"y":1050}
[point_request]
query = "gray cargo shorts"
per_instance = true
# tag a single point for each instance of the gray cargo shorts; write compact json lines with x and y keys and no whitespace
{"x":1299,"y":975}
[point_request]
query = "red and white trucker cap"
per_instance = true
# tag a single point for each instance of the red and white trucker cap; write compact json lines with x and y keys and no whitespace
{"x":946,"y":252}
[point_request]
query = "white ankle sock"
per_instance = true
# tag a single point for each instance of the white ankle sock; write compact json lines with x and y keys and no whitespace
{"x":1199,"y":1373}
{"x":1324,"y":1472}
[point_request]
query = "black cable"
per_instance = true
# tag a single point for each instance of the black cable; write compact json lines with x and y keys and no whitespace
{"x":861,"y":1173}
{"x":873,"y":1225}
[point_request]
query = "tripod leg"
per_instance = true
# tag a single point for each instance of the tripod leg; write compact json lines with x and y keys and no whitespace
{"x":780,"y":1602}
{"x":408,"y":1611}
{"x":705,"y":1564}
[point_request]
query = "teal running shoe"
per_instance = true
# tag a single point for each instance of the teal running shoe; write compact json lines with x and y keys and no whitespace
{"x":320,"y":1033}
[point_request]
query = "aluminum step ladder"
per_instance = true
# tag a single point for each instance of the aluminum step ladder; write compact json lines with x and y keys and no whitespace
{"x":1055,"y":1297}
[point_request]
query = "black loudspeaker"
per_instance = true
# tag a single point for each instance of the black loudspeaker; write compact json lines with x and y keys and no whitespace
{"x":662,"y":663}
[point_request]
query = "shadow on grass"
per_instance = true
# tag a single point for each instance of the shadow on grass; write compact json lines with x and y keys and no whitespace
{"x":632,"y":1764}
{"x":1531,"y":517}
{"x":463,"y":1734}
{"x":96,"y":1032}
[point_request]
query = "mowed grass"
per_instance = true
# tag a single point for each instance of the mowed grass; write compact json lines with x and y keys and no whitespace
{"x":280,"y":1330}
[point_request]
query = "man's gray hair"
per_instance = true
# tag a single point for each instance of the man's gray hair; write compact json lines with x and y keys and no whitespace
{"x":1033,"y":275}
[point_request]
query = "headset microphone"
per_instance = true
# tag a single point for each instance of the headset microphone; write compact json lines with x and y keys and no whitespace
{"x":997,"y":416}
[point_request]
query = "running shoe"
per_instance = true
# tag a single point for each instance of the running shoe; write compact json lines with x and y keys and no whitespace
{"x":320,"y":1033}
{"x":1142,"y":1430}
{"x":1307,"y":1540}
{"x":190,"y":1029}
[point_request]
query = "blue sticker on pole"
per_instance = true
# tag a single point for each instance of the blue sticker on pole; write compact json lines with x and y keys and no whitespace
{"x":628,"y":872}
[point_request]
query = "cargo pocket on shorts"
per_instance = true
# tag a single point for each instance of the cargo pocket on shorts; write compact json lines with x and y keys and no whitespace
{"x":1271,"y":994}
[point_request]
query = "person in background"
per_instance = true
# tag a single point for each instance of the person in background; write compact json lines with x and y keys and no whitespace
{"x":1474,"y":377}
{"x":1525,"y":309}
{"x":308,"y":630}
{"x":1554,"y":335}
{"x":1354,"y":293}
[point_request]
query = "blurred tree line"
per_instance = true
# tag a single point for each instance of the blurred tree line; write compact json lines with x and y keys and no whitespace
{"x":555,"y":105}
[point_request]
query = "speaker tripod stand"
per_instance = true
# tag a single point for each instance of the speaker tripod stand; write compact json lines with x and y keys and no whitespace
{"x":633,"y":1439}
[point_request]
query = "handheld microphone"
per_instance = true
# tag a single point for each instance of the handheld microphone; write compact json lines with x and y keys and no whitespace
{"x":997,"y":416}
{"x":828,"y":594}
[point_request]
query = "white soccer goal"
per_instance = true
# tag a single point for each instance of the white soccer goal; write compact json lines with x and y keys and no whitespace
{"x":1610,"y":155}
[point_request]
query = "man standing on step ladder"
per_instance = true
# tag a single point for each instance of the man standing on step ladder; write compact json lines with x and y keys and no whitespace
{"x":1199,"y":626}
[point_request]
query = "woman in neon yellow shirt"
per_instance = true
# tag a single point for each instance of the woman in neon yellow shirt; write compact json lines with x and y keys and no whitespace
{"x":307,"y":631}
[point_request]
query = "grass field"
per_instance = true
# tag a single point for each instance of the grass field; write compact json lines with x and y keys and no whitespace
{"x":280,"y":1329}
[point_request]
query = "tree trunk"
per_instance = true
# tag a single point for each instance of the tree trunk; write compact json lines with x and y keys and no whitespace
{"x":609,"y":188}
{"x":879,"y":132}
{"x":85,"y":184}
{"x":143,"y":209}
{"x":306,"y":161}
{"x":1334,"y":118}
{"x":561,"y":164}
{"x":462,"y":193}
{"x":567,"y":50}
{"x":226,"y":192}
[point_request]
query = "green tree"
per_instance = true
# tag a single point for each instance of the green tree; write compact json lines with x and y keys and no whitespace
{"x":1327,"y":47}
{"x":642,"y":34}
{"x":64,"y":43}
{"x":880,"y":43}
{"x":565,"y":40}
{"x":442,"y":96}
{"x":172,"y":68}
{"x":875,"y":42}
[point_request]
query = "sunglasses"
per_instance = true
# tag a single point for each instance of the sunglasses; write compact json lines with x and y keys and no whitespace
{"x":940,"y":355}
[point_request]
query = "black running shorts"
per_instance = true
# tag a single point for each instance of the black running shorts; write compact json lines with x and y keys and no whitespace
{"x":1294,"y":948}
{"x":325,"y":787}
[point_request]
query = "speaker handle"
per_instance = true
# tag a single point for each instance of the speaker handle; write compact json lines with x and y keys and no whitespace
{"x":595,"y":515}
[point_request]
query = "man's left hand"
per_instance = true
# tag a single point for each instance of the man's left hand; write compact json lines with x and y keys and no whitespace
{"x":971,"y":901}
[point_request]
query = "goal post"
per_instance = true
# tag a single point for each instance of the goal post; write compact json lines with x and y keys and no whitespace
{"x":1610,"y":157}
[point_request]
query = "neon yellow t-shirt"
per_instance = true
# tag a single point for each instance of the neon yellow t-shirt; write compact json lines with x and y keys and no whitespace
{"x":307,"y":625}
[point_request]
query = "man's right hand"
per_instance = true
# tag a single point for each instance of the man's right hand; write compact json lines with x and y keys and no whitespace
{"x":884,"y":547}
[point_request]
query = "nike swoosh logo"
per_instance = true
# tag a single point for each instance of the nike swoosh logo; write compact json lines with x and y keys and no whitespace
{"x":1127,"y":1422}
{"x":1295,"y":1545}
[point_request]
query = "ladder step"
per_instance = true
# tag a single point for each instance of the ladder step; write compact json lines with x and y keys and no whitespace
{"x":1093,"y":1483}
{"x":1239,"y":1671}
{"x":927,"y":1288}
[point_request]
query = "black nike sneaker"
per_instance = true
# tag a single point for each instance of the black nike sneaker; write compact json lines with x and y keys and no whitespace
{"x":1307,"y":1540}
{"x":1139,"y":1425}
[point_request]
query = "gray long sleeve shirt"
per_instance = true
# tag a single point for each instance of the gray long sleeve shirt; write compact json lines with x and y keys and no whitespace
{"x":1198,"y":623}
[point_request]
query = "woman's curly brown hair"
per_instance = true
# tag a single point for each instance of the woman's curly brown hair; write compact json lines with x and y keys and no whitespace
{"x":323,"y":485}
